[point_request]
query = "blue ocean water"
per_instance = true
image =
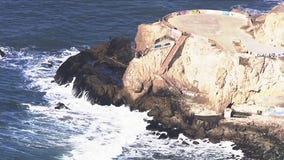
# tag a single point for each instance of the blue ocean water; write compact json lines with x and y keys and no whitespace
{"x":37,"y":37}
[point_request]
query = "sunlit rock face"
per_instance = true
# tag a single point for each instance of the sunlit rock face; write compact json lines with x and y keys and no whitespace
{"x":271,"y":31}
{"x":214,"y":78}
{"x":204,"y":77}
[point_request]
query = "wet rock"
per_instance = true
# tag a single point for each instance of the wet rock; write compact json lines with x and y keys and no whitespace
{"x":98,"y":92}
{"x":111,"y":57}
{"x":195,"y":142}
{"x":183,"y":99}
{"x":277,"y":152}
{"x":157,"y":133}
{"x":185,"y":143}
{"x":48,"y":64}
{"x":215,"y":134}
{"x":2,"y":54}
{"x":61,"y":106}
{"x":66,"y":118}
{"x":174,"y":133}
{"x":154,"y":125}
{"x":98,"y":72}
{"x":236,"y":147}
{"x":163,"y":136}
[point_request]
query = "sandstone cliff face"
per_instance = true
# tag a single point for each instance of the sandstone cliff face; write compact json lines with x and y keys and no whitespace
{"x":151,"y":31}
{"x":270,"y":28}
{"x":201,"y":81}
{"x":271,"y":31}
{"x":212,"y":78}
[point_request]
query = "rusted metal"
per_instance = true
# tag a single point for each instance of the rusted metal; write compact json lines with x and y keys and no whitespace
{"x":170,"y":56}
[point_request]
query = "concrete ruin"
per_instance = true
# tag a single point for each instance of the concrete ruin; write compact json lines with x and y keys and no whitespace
{"x":226,"y":58}
{"x":188,"y":69}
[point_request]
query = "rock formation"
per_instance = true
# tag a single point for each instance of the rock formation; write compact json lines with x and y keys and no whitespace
{"x":98,"y":71}
{"x":213,"y":76}
{"x":199,"y":83}
{"x":271,"y":31}
{"x":2,"y":54}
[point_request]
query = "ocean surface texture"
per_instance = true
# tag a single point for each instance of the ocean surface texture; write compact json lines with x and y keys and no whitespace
{"x":37,"y":36}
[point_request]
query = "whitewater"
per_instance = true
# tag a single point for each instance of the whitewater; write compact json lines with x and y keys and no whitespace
{"x":37,"y":37}
{"x":89,"y":132}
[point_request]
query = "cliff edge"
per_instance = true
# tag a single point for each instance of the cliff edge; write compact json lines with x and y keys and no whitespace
{"x":192,"y":69}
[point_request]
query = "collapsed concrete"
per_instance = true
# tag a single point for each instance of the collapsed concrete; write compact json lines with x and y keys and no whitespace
{"x":200,"y":80}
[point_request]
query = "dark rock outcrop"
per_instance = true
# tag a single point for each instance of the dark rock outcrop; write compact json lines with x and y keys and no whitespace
{"x":179,"y":99}
{"x":47,"y":64}
{"x":61,"y":106}
{"x":98,"y":74}
{"x":2,"y":54}
{"x":98,"y":71}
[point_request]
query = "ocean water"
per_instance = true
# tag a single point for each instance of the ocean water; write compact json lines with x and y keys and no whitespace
{"x":37,"y":36}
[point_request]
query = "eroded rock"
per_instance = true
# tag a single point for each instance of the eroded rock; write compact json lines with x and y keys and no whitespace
{"x":206,"y":79}
{"x":98,"y":72}
{"x":60,"y":105}
{"x":201,"y":81}
{"x":271,"y":31}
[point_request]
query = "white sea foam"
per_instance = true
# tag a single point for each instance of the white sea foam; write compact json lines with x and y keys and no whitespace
{"x":105,"y":132}
{"x":101,"y":130}
{"x":255,"y":11}
{"x":278,"y":1}
{"x":251,"y":11}
{"x":148,"y":145}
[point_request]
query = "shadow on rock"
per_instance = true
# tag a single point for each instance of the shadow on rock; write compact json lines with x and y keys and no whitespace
{"x":98,"y":71}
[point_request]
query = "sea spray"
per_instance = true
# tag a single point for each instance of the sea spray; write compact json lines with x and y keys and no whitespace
{"x":104,"y":132}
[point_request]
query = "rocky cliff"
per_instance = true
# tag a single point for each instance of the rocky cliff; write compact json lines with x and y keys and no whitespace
{"x":214,"y":77}
{"x":199,"y":82}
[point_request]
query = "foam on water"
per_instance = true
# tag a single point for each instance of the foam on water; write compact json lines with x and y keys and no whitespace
{"x":90,"y":132}
{"x":258,"y":9}
{"x":99,"y":130}
{"x":149,"y":146}
{"x":107,"y":134}
{"x":93,"y":131}
{"x":273,"y":1}
{"x":86,"y":131}
{"x":35,"y":130}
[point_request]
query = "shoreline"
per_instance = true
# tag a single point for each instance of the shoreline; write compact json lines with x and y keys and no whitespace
{"x":111,"y":74}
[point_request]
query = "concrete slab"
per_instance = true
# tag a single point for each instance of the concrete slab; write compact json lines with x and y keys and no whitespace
{"x":224,"y":29}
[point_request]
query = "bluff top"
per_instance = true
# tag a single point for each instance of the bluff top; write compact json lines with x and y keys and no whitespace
{"x":232,"y":31}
